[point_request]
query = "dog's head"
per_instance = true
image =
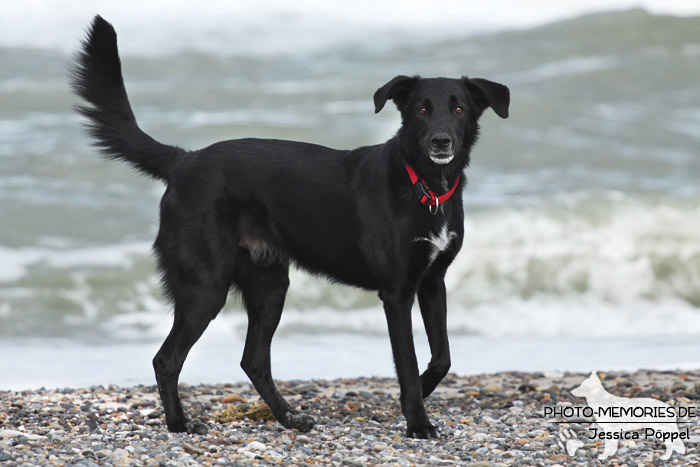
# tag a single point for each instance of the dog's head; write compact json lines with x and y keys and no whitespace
{"x":589,"y":387}
{"x":440,"y":115}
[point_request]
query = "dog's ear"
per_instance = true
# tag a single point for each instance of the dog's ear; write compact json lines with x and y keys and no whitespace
{"x":489,"y":94}
{"x":398,"y":90}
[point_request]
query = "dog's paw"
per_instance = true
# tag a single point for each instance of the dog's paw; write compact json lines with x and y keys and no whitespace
{"x":423,"y":432}
{"x":298,"y":421}
{"x":572,"y":444}
{"x":196,"y":427}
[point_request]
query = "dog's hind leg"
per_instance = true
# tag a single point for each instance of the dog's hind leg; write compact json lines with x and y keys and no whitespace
{"x":194,"y":310}
{"x":433,"y":308}
{"x":264,"y":288}
{"x":196,"y":267}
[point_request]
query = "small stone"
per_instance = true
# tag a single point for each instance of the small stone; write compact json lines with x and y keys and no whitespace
{"x":303,"y":439}
{"x":255,"y":446}
{"x":522,"y":441}
{"x":233,"y":398}
{"x":360,"y":461}
{"x":492,"y":388}
{"x":192,"y":449}
{"x":305,"y":389}
{"x":117,"y":456}
{"x":380,"y":446}
{"x":143,"y":403}
{"x":558,"y":375}
{"x":350,"y":407}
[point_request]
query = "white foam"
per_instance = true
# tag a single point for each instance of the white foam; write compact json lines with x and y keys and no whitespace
{"x":515,"y":318}
{"x":617,"y":251}
{"x":15,"y":262}
{"x":575,"y":317}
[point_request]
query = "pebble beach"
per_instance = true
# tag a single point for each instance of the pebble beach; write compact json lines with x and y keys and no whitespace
{"x":492,"y":419}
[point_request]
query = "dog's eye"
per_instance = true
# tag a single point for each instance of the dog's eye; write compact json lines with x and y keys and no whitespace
{"x":422,"y":110}
{"x":459,"y":110}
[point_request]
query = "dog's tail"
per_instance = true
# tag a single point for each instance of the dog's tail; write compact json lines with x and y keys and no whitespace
{"x":97,"y":78}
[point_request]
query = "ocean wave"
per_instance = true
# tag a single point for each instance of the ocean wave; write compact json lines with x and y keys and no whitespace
{"x":600,"y":265}
{"x":17,"y":262}
{"x":617,"y":250}
{"x":537,"y":316}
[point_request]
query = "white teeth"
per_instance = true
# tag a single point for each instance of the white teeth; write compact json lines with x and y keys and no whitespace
{"x":442,"y":160}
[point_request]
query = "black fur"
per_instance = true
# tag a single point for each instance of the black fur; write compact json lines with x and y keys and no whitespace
{"x":235,"y":214}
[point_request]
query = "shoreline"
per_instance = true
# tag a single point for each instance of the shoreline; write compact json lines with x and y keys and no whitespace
{"x":214,"y":360}
{"x":486,"y":419}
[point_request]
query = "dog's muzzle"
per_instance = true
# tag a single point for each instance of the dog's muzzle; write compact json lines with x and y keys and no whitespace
{"x":442,"y":158}
{"x":441,"y":149}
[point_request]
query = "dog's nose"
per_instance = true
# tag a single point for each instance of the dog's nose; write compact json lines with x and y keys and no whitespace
{"x":441,"y":141}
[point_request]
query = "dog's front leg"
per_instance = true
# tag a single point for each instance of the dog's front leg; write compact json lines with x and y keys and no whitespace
{"x":433,"y":308}
{"x":397,"y":307}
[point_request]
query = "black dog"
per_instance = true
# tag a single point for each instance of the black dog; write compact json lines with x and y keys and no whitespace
{"x":234,"y":215}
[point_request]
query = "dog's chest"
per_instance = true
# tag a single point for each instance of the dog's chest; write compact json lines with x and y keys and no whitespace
{"x":439,"y":241}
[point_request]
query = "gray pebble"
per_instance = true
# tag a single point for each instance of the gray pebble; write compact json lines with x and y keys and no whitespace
{"x":125,"y":426}
{"x":380,"y":446}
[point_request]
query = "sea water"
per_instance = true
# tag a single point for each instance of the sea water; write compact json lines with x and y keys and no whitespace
{"x":582,"y":230}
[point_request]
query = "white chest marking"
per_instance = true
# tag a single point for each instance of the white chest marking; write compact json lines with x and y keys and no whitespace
{"x":440,"y":241}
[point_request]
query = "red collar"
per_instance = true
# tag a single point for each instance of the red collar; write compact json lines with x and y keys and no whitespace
{"x":425,"y":194}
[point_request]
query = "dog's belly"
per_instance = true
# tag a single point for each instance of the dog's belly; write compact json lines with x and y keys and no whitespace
{"x":333,"y":257}
{"x":321,"y":242}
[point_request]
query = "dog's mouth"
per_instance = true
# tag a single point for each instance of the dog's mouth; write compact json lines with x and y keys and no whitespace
{"x":442,"y":158}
